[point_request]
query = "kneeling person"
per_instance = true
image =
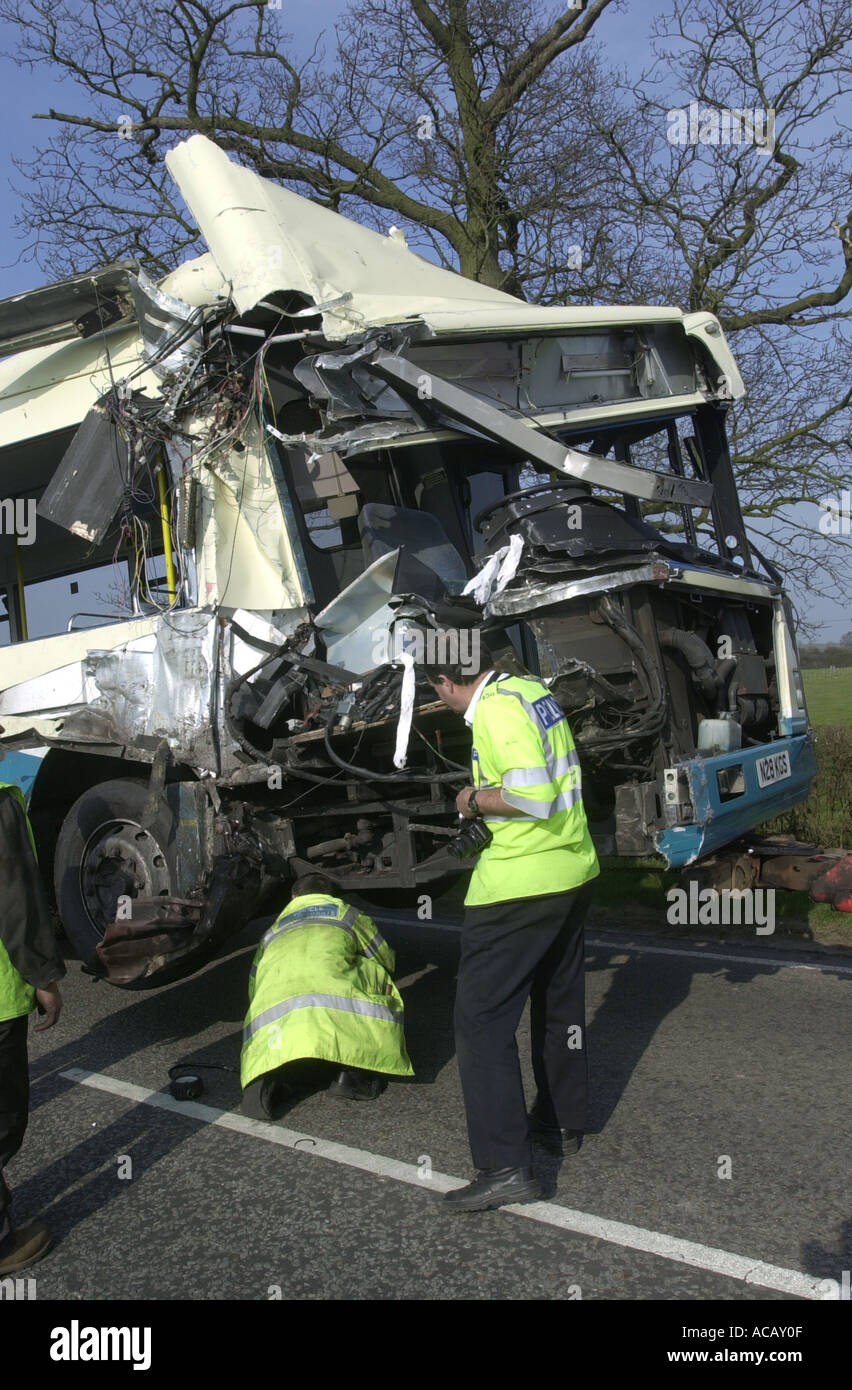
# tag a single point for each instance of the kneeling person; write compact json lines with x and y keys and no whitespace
{"x":322,"y":1004}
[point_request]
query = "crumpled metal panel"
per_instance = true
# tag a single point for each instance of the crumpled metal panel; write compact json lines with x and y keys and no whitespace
{"x":266,"y":238}
{"x":249,"y":557}
{"x":160,"y":688}
{"x":160,"y":930}
{"x":68,"y":309}
{"x":718,"y":822}
{"x":49,"y":388}
{"x":352,"y":622}
{"x":161,"y":318}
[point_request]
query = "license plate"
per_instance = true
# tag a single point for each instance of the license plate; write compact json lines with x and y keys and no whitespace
{"x":773,"y":769}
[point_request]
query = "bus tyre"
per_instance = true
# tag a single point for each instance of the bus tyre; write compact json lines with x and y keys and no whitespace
{"x":111,"y":848}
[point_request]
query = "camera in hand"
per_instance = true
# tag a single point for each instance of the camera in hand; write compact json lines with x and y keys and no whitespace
{"x":471,"y":840}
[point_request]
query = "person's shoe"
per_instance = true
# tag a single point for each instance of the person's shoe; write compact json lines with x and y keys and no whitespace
{"x":552,"y":1137}
{"x":356,"y":1085}
{"x":25,"y":1247}
{"x":494,"y":1187}
{"x":266,"y":1098}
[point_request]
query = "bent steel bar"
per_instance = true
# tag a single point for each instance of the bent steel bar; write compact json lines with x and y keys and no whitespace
{"x":541,"y":595}
{"x":466,"y":408}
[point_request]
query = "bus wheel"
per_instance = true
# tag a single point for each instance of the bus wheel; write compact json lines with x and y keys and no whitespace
{"x":109,"y":848}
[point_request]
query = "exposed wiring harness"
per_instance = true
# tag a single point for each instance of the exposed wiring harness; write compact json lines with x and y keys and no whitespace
{"x":368,"y":774}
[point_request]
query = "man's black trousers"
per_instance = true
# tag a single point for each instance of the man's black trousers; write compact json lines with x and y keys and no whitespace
{"x":533,"y":948}
{"x":14,"y":1102}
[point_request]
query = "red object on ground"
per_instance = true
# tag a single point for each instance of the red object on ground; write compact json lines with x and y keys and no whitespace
{"x":835,"y":886}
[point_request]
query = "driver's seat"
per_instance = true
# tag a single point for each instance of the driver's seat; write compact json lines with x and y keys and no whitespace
{"x":384,"y":528}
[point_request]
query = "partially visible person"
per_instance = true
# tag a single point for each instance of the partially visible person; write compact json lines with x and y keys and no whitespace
{"x":323,"y":1007}
{"x":30,"y":967}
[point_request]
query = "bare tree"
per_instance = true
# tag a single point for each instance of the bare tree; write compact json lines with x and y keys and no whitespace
{"x":457,"y":118}
{"x":496,"y":134}
{"x":750,"y":216}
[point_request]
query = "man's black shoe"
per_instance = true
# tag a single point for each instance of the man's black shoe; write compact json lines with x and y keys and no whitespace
{"x":356,"y":1085}
{"x":552,"y":1137}
{"x":494,"y":1187}
{"x":267,"y":1098}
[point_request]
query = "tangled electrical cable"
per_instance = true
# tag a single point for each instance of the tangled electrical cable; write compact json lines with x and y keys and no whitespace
{"x":149,"y":434}
{"x":369,"y":775}
{"x":650,"y":721}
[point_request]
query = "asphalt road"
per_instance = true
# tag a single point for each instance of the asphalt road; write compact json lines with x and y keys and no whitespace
{"x":696,"y":1057}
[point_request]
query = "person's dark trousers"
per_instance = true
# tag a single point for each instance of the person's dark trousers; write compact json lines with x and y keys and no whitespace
{"x":533,"y":948}
{"x":14,"y":1103}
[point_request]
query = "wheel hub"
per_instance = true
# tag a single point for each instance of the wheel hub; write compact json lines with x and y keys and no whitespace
{"x":121,"y":859}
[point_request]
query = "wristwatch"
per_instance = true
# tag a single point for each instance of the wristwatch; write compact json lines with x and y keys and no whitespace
{"x":472,"y":804}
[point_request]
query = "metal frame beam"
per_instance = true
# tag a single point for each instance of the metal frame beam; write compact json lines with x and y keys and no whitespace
{"x":531,"y":443}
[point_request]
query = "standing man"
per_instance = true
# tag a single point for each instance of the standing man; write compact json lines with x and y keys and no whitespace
{"x":30,"y":966}
{"x":523,"y":930}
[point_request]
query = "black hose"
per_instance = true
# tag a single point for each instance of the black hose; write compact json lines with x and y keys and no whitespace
{"x":652,"y":720}
{"x":313,"y":776}
{"x":460,"y":767}
{"x":698,"y":657}
{"x":370,"y":776}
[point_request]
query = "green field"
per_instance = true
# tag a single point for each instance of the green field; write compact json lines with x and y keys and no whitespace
{"x":829,"y":696}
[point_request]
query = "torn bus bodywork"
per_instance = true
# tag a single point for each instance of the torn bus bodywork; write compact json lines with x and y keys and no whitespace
{"x":300,"y":451}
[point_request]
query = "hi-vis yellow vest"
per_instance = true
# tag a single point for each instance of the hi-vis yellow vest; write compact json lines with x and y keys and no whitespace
{"x":522,"y":744}
{"x":16,"y":996}
{"x":321,"y":986}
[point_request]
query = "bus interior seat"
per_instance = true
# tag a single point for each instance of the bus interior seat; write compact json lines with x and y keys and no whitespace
{"x":384,"y":528}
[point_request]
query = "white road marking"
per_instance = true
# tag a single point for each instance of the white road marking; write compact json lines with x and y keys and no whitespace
{"x":645,"y":948}
{"x":748,"y":1271}
{"x":697,"y":953}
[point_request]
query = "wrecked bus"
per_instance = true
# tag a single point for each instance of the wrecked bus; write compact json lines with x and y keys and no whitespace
{"x":298,"y":452}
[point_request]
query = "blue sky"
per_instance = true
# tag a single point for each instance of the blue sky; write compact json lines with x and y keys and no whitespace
{"x":625,"y":36}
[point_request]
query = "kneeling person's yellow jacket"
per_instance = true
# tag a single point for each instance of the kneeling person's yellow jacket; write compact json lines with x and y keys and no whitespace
{"x":321,"y":986}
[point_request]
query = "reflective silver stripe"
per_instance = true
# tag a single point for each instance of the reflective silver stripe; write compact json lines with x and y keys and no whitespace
{"x":540,"y":810}
{"x":375,"y":945}
{"x":534,"y":810}
{"x":292,"y":914}
{"x":322,"y":1001}
{"x":275,"y":932}
{"x":535,"y":776}
{"x":346,"y":922}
